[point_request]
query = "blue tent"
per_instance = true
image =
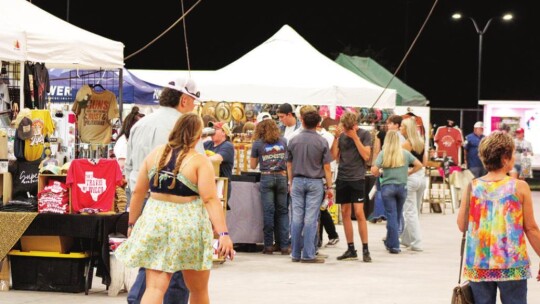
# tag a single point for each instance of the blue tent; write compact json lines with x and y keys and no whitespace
{"x":64,"y":85}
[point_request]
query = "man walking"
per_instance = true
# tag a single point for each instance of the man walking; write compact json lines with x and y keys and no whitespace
{"x":308,"y":162}
{"x":176,"y":99}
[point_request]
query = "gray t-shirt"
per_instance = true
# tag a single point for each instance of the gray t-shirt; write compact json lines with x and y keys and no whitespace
{"x":352,"y":166}
{"x":308,"y":152}
{"x":272,"y":157}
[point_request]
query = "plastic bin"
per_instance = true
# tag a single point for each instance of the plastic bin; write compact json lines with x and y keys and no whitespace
{"x":48,"y":271}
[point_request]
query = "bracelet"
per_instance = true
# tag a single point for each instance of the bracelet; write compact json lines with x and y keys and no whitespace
{"x":223,"y":233}
{"x":130,"y":226}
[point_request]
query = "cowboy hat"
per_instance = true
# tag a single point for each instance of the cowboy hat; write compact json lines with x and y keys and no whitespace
{"x":237,"y":112}
{"x":209,"y":108}
{"x":223,"y":111}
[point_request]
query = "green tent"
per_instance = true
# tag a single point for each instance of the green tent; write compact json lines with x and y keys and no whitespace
{"x":370,"y":70}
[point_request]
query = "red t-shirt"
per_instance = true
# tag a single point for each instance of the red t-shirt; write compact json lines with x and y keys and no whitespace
{"x":449,"y":139}
{"x":93,"y":185}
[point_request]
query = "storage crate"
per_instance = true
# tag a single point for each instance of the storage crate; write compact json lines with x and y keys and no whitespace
{"x":48,"y":271}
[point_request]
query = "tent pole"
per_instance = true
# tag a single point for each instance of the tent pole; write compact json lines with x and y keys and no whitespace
{"x":120,"y":92}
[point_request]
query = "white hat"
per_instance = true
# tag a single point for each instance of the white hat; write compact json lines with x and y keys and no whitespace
{"x":479,"y":124}
{"x":186,"y":86}
{"x":263,"y":116}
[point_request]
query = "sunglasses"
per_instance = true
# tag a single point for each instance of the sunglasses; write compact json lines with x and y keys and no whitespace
{"x":198,"y":94}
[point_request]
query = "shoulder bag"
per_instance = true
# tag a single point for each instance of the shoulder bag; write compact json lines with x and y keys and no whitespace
{"x":462,"y":293}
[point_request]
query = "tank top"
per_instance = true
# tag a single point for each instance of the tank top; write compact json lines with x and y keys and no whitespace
{"x":183,"y":186}
{"x":419,"y":156}
{"x":496,"y":248}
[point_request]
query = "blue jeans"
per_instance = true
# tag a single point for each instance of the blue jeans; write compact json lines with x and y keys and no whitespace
{"x":394,"y":196}
{"x":512,"y":292}
{"x":273,"y":189}
{"x":306,"y":196}
{"x":177,"y":293}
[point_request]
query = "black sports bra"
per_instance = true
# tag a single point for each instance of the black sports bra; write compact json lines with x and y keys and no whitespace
{"x":183,"y":186}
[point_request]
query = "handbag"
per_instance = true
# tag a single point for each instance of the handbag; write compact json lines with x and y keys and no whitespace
{"x":462,"y":293}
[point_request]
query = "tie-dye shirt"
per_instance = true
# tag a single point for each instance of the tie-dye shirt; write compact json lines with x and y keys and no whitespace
{"x":496,"y":249}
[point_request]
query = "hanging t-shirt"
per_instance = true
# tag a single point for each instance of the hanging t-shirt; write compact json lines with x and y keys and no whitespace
{"x":94,"y":112}
{"x":5,"y":102}
{"x":419,"y":122}
{"x":449,"y":139}
{"x":25,"y":178}
{"x":93,"y":184}
{"x":42,"y":125}
{"x":41,"y":84}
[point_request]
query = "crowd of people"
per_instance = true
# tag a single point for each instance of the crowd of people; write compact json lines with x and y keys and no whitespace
{"x":174,"y":214}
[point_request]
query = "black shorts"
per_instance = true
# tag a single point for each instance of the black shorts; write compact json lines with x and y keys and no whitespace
{"x":349,"y":191}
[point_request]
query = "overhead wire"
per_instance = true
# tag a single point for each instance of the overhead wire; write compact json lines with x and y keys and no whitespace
{"x":164,"y":32}
{"x":185,"y":40}
{"x":408,"y":51}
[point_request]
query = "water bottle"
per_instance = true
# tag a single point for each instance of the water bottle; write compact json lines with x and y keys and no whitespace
{"x":324,"y":204}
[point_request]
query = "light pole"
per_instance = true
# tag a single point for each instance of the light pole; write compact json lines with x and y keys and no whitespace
{"x":457,"y":16}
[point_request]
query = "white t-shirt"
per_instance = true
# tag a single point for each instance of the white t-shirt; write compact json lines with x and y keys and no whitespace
{"x":120,"y":147}
{"x":289,"y":131}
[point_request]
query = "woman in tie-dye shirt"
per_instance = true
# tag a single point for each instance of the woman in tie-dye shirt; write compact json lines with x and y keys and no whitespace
{"x":500,"y":216}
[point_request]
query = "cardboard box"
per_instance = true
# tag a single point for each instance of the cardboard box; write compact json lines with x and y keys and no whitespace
{"x":48,"y":271}
{"x":51,"y":243}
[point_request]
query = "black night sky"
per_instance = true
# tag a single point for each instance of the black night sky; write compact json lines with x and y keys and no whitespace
{"x":442,"y":65}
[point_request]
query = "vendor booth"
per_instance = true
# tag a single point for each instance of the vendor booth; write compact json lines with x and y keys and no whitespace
{"x":284,"y":68}
{"x":32,"y":41}
{"x":515,"y":114}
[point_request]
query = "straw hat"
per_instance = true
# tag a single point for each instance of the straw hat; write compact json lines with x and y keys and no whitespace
{"x":250,"y":111}
{"x":223,"y":111}
{"x":237,"y":112}
{"x":209,"y":108}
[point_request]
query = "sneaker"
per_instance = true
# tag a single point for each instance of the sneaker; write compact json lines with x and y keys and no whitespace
{"x":317,"y":260}
{"x":295,"y":260}
{"x":349,"y":255}
{"x":419,"y":249}
{"x":332,"y":242}
{"x":366,"y":257}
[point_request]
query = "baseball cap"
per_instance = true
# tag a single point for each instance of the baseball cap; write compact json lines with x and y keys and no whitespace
{"x":520,"y":130}
{"x":263,"y":116}
{"x":221,"y":125}
{"x":479,"y":124}
{"x":285,"y":108}
{"x":24,"y":131}
{"x":50,"y":169}
{"x":186,"y":86}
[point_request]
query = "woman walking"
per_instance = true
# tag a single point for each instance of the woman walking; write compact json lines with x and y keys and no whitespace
{"x":500,"y":215}
{"x":175,"y":231}
{"x":416,"y":185}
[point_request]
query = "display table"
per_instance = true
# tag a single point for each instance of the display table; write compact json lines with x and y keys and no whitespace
{"x":95,"y":229}
{"x":245,"y":219}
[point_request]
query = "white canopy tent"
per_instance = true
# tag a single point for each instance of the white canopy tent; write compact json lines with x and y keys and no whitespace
{"x":285,"y":68}
{"x":30,"y":33}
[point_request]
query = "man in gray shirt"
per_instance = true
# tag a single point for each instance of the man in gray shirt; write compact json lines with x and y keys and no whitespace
{"x":176,"y":99}
{"x":351,"y":149}
{"x":308,"y":162}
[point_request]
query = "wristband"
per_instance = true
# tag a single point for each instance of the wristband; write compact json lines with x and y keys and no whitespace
{"x":223,"y":233}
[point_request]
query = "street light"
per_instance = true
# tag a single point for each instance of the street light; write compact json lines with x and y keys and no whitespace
{"x":506,"y":18}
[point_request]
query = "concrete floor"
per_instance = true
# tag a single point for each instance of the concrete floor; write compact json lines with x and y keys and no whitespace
{"x":410,"y":277}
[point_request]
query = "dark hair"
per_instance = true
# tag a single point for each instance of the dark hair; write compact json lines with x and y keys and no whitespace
{"x":129,"y":121}
{"x":494,"y":149}
{"x":285,"y":108}
{"x":396,"y":119}
{"x":184,"y":136}
{"x":311,"y":119}
{"x":169,"y":98}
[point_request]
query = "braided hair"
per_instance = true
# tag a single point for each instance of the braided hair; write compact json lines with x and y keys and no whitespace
{"x":183,"y":137}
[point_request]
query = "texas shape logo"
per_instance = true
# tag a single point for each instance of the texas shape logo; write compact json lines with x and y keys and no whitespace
{"x":92,"y":185}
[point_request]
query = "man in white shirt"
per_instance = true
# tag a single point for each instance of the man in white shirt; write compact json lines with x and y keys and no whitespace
{"x":288,"y":119}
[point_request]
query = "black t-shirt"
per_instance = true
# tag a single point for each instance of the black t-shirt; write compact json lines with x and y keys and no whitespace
{"x":25,"y":178}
